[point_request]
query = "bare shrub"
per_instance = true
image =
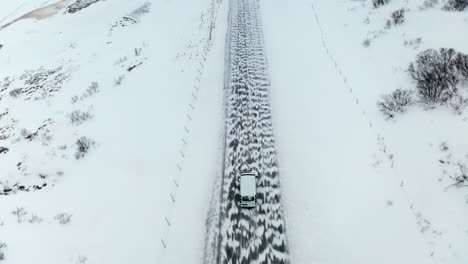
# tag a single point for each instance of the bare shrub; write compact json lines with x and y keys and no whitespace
{"x":437,"y":74}
{"x":429,"y":4}
{"x":457,"y":103}
{"x":74,"y":99}
{"x":460,"y":178}
{"x":121,"y":60}
{"x":82,"y":259}
{"x":78,"y":117}
{"x":456,"y":5}
{"x":140,"y":11}
{"x":415,"y":43}
{"x":378,"y":3}
{"x":19,"y":213}
{"x":2,"y":254}
{"x":366,"y":43}
{"x":138,"y":51}
{"x":35,"y":219}
{"x":444,"y":146}
{"x":4,"y":150}
{"x":119,"y":80}
{"x":26,"y":134}
{"x":63,"y":218}
{"x":398,"y":17}
{"x":388,"y":24}
{"x":396,"y":102}
{"x":92,"y":89}
{"x":461,"y":63}
{"x":16,"y":92}
{"x":83,"y":145}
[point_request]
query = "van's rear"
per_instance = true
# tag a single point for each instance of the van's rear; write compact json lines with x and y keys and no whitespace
{"x":248,"y":190}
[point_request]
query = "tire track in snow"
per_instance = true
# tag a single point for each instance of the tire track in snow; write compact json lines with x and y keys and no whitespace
{"x":249,"y":235}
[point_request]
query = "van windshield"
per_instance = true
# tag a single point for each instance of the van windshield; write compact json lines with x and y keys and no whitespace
{"x":247,"y":198}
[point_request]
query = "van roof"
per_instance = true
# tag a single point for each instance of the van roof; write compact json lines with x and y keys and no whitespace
{"x":248,"y":185}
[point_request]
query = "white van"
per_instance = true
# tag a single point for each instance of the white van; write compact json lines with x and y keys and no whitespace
{"x":248,"y":190}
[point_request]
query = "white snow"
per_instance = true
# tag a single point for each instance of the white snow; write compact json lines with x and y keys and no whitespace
{"x":360,"y":189}
{"x":119,"y":193}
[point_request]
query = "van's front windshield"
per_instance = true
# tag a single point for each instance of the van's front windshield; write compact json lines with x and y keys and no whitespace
{"x":247,"y":198}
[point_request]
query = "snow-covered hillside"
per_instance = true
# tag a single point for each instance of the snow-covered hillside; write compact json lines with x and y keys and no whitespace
{"x":96,"y":106}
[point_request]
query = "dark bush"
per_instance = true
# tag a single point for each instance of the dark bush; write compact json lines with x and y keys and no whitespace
{"x":378,"y":3}
{"x":462,"y":64}
{"x":83,"y":145}
{"x":398,"y":17}
{"x":366,"y":43}
{"x":16,"y":92}
{"x":438,"y":73}
{"x":396,"y":102}
{"x":456,"y":5}
{"x":78,"y":117}
{"x":2,"y":255}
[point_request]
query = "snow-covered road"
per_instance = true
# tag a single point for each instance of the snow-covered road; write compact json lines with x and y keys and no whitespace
{"x":257,"y":235}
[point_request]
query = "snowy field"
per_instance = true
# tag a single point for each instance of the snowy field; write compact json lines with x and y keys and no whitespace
{"x":358,"y":188}
{"x":121,"y":74}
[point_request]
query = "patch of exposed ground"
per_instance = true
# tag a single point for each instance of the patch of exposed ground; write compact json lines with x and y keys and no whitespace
{"x":52,"y":9}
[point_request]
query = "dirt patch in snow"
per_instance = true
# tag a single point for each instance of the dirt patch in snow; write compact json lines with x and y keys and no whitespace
{"x":42,"y":13}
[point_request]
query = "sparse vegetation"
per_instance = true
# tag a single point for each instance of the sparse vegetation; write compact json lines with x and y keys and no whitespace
{"x":460,"y":176}
{"x":26,"y":134}
{"x":415,"y":43}
{"x":2,"y":254}
{"x":378,"y":3}
{"x":35,"y":219}
{"x":16,"y":92}
{"x":429,"y":4}
{"x":438,"y":73}
{"x":396,"y":102}
{"x":398,"y":16}
{"x":83,"y":145}
{"x":20,"y":213}
{"x":78,"y":117}
{"x":141,"y":11}
{"x":63,"y":218}
{"x":456,"y":5}
{"x":90,"y":91}
{"x":4,"y":150}
{"x":138,"y":51}
{"x":366,"y":43}
{"x":74,"y":99}
{"x":440,"y":76}
{"x":82,"y":259}
{"x":41,"y":83}
{"x":119,"y":80}
{"x":132,"y":18}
